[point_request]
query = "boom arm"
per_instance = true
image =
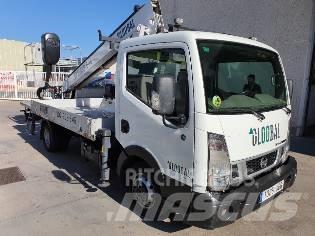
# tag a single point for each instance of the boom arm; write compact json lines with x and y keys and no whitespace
{"x":144,"y":21}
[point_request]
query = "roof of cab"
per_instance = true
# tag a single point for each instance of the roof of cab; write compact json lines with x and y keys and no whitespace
{"x":187,"y":36}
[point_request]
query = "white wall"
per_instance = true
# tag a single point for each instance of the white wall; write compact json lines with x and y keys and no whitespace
{"x":287,"y":25}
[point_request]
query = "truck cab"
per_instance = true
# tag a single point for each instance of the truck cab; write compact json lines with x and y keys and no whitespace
{"x":195,"y":117}
{"x":210,"y":111}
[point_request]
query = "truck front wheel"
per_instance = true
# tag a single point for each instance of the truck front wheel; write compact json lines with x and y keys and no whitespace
{"x":140,"y":182}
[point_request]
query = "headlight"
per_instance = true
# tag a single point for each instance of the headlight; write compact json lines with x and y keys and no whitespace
{"x":219,"y":167}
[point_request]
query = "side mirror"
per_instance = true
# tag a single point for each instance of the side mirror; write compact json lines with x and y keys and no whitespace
{"x":163,"y":95}
{"x":50,"y":48}
{"x":290,"y":87}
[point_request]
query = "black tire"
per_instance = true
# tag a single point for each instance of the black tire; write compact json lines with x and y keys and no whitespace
{"x":39,"y":92}
{"x":149,"y":191}
{"x":55,"y":138}
{"x":49,"y":138}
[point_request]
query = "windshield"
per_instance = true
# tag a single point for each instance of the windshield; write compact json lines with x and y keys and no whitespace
{"x":239,"y":77}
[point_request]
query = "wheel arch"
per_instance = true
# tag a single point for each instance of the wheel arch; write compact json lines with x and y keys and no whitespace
{"x":133,"y":154}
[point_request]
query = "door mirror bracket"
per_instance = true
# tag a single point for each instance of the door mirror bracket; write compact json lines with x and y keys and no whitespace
{"x":181,"y":120}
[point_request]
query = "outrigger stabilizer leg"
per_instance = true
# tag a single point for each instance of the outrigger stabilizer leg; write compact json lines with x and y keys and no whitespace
{"x":105,"y":170}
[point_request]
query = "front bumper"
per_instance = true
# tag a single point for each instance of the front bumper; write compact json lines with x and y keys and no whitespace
{"x":224,"y":208}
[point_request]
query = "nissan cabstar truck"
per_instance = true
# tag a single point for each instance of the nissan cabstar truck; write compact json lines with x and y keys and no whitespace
{"x":208,"y":112}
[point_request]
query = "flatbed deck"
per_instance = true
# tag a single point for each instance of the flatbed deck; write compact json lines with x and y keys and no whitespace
{"x":83,"y":116}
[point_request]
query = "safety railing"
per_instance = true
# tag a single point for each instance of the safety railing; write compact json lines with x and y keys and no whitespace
{"x":24,"y":84}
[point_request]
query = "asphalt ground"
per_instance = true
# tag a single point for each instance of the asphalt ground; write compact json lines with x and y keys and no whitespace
{"x":59,"y":195}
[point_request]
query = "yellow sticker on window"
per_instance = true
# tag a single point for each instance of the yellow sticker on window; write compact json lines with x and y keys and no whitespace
{"x":216,"y":101}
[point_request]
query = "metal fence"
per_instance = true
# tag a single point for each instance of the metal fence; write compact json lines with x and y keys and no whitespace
{"x":24,"y":84}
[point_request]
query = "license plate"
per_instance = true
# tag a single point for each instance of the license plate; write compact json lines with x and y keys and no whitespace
{"x":268,"y":193}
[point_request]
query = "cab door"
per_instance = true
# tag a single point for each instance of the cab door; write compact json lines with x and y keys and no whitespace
{"x":171,"y":145}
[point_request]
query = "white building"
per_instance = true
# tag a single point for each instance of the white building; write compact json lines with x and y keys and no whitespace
{"x":286,"y":25}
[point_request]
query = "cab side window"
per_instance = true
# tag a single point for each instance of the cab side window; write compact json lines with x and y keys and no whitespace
{"x":143,"y":66}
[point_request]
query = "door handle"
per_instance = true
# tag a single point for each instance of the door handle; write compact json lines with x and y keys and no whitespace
{"x":124,"y":126}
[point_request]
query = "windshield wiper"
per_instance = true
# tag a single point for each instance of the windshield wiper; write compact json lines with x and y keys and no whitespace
{"x":259,"y":115}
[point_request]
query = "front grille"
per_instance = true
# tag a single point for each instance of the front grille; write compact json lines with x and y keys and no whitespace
{"x":261,"y":163}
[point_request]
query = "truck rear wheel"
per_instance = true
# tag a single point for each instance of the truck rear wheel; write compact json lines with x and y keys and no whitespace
{"x":49,"y":138}
{"x":55,"y":138}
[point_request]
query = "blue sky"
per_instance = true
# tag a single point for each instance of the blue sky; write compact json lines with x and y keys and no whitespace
{"x":76,"y":22}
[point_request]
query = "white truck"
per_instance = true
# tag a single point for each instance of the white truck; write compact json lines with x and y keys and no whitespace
{"x":208,"y":112}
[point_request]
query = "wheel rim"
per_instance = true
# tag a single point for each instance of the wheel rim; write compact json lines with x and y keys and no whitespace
{"x":143,"y":190}
{"x":47,"y":137}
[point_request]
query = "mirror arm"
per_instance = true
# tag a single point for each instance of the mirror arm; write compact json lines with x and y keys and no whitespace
{"x":168,"y":125}
{"x":181,"y":118}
